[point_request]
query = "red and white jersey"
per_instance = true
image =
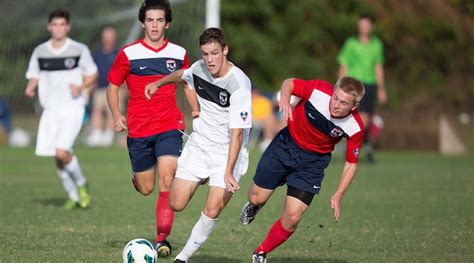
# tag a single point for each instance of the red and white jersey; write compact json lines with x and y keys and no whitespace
{"x":139,"y":64}
{"x":313,"y":128}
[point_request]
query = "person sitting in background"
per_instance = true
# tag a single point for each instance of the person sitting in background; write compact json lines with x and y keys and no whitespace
{"x":5,"y":121}
{"x":102,"y":123}
{"x":264,"y":120}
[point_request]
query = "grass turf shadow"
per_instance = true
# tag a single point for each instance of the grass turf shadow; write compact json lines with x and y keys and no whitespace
{"x":52,"y":201}
{"x":304,"y":260}
{"x":210,"y":259}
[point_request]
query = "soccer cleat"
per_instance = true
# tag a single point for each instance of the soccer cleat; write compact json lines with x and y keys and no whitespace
{"x":179,"y":261}
{"x":84,"y":197}
{"x":163,"y":249}
{"x":259,"y":257}
{"x":248,"y":213}
{"x":70,"y":204}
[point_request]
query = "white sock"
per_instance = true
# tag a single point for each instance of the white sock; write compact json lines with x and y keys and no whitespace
{"x":74,"y":169}
{"x":201,"y":231}
{"x":68,"y":185}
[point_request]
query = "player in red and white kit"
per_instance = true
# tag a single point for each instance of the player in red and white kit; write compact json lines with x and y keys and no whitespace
{"x":154,"y":126}
{"x":299,"y":154}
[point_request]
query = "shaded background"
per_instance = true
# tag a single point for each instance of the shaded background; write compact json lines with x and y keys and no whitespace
{"x":429,"y":54}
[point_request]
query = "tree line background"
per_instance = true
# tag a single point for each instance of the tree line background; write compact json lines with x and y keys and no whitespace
{"x":429,"y":54}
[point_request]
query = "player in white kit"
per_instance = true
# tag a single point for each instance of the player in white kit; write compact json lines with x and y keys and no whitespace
{"x":64,"y":71}
{"x":216,"y":149}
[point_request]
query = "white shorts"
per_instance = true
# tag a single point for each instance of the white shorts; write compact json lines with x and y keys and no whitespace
{"x":198,"y":162}
{"x":58,"y":129}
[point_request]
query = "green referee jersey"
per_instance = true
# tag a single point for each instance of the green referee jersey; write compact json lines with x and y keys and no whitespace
{"x":361,"y":58}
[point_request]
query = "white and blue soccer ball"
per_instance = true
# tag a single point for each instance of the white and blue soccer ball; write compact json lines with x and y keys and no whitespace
{"x":19,"y":138}
{"x":139,"y":251}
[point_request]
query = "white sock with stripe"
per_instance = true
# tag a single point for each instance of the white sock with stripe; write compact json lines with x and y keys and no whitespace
{"x":68,"y":184}
{"x":74,"y":169}
{"x":201,"y":231}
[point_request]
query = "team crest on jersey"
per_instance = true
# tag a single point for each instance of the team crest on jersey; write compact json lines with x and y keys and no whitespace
{"x":69,"y":63}
{"x":336,"y":132}
{"x":223,"y":98}
{"x":356,"y":151}
{"x":171,"y":65}
{"x":244,"y":115}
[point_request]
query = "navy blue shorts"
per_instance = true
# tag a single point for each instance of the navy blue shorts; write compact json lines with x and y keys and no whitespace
{"x":367,"y":104}
{"x":145,"y":151}
{"x":285,"y":162}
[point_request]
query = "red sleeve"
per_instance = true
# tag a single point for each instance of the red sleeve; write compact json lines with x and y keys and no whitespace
{"x":185,"y":62}
{"x":120,"y":69}
{"x":304,"y":88}
{"x":354,"y":143}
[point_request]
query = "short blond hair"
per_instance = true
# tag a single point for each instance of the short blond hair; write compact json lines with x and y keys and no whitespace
{"x":351,"y":86}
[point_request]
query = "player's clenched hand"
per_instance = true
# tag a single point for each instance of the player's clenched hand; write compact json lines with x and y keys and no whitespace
{"x":336,"y":205}
{"x":285,"y":107}
{"x":119,"y":122}
{"x":195,"y":114}
{"x":76,"y":90}
{"x":231,"y":183}
{"x":30,"y":91}
{"x":151,"y":89}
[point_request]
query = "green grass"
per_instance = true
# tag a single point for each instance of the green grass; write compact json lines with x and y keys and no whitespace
{"x":410,"y":207}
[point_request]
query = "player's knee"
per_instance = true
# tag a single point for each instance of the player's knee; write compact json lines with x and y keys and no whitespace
{"x":256,"y":199}
{"x":176,"y":206}
{"x":291,"y":220}
{"x":212,"y":212}
{"x":145,"y":189}
{"x":165,"y":181}
{"x":62,"y":156}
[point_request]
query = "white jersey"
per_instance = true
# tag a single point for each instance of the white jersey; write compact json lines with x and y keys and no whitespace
{"x":225,"y":102}
{"x":57,"y":69}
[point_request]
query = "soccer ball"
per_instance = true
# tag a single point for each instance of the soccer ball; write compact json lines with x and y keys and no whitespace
{"x":19,"y":138}
{"x":139,"y":251}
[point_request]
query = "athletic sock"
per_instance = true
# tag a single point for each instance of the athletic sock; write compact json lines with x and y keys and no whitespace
{"x":277,"y":235}
{"x":201,"y":231}
{"x":164,"y":217}
{"x":74,"y":169}
{"x":68,"y":184}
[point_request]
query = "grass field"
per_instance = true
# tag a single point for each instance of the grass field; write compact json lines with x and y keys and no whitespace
{"x":410,"y":207}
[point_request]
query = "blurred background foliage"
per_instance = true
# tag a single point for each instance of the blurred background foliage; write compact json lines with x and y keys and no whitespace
{"x":428,"y":44}
{"x":429,"y":54}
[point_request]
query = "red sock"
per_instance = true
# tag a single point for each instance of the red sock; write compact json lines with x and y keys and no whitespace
{"x":276,"y":236}
{"x":164,"y":217}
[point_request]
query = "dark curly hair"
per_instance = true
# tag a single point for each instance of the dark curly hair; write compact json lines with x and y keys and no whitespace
{"x":59,"y":13}
{"x":213,"y":34}
{"x":155,"y":4}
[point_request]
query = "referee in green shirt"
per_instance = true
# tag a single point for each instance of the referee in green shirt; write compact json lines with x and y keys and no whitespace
{"x":361,"y":57}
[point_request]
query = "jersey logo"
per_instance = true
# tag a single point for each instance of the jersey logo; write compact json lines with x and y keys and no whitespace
{"x":212,"y":93}
{"x":336,"y":132}
{"x":223,"y":98}
{"x":244,"y":115}
{"x":69,"y":63}
{"x":356,"y":151}
{"x":171,"y":65}
{"x":144,"y":67}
